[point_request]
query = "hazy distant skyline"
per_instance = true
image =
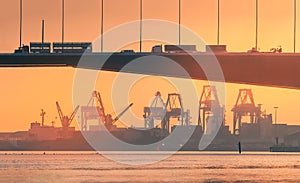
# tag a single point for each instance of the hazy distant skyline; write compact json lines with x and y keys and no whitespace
{"x":24,"y":92}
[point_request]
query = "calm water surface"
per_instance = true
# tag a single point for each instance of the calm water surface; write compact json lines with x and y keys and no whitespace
{"x":181,"y":167}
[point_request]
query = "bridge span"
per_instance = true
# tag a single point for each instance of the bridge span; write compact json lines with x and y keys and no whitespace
{"x":264,"y":69}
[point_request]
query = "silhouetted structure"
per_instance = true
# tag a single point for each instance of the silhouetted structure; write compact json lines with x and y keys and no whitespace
{"x":155,"y":112}
{"x":174,"y":109}
{"x":209,"y":107}
{"x":66,"y":120}
{"x":243,"y":107}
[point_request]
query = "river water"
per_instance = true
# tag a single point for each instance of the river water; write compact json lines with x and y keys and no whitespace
{"x":181,"y":167}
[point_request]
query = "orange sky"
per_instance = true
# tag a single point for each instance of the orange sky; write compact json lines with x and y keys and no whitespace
{"x":24,"y":92}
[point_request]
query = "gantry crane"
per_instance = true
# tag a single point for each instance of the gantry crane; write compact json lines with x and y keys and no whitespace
{"x":156,"y":111}
{"x":244,"y":106}
{"x":91,"y":112}
{"x":174,"y":109}
{"x":210,"y":107}
{"x":65,"y":120}
{"x":98,"y":112}
{"x":107,"y":119}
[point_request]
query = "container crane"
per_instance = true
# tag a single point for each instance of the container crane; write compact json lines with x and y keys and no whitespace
{"x":156,"y":111}
{"x":174,"y":109}
{"x":209,"y":107}
{"x":94,"y":110}
{"x":107,"y":119}
{"x":244,"y":106}
{"x":98,"y":112}
{"x":65,"y":120}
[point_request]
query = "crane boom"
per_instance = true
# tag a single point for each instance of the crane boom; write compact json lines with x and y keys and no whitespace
{"x":73,"y":115}
{"x":60,"y":113}
{"x":65,"y":120}
{"x":98,"y":96}
{"x":100,"y":107}
{"x":121,"y":114}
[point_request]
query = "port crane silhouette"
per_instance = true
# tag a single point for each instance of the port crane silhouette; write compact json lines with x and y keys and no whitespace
{"x":209,"y":106}
{"x":91,"y":112}
{"x":155,"y":112}
{"x":107,"y":119}
{"x":66,"y":120}
{"x":245,"y":106}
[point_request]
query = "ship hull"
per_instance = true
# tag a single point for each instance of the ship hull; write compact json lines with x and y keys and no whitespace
{"x":149,"y":140}
{"x":285,"y":149}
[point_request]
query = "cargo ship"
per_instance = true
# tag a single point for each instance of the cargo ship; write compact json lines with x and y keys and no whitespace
{"x":285,"y":149}
{"x":49,"y":138}
{"x":291,"y":143}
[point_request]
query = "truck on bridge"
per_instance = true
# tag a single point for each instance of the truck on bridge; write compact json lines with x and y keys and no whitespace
{"x":68,"y":47}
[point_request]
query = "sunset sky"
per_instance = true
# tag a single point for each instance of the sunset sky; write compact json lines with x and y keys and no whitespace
{"x":25,"y":91}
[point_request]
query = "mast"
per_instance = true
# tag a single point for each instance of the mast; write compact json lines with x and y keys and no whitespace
{"x":43,"y":113}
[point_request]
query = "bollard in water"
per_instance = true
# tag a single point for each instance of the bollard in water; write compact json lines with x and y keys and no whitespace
{"x":240,"y":147}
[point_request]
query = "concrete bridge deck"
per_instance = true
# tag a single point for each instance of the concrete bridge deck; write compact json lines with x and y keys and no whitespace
{"x":264,"y":69}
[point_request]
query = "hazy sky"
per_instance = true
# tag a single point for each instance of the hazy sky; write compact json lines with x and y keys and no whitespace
{"x":24,"y":92}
